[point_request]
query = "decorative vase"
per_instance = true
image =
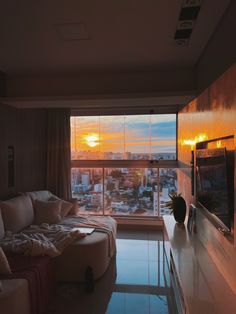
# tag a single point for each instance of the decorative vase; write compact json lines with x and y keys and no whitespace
{"x":179,"y":209}
{"x":178,"y":206}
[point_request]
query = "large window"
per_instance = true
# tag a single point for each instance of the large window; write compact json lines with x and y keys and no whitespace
{"x":134,"y":137}
{"x":123,"y":164}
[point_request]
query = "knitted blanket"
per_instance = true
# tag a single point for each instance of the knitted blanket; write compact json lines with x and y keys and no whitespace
{"x":40,"y":240}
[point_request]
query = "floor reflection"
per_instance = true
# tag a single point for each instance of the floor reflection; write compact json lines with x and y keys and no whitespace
{"x":141,"y":286}
{"x":134,"y":283}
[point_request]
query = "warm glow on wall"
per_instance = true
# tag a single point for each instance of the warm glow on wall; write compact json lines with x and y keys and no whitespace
{"x":189,"y":142}
{"x":201,"y":137}
{"x":192,"y":142}
{"x":218,"y":144}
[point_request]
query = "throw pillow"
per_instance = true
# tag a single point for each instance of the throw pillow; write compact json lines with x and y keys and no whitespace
{"x":47,"y":212}
{"x":65,"y":206}
{"x":4,"y":265}
{"x":17,"y":213}
{"x":75,"y":208}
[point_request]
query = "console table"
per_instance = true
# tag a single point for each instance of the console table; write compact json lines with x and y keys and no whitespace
{"x":199,"y":287}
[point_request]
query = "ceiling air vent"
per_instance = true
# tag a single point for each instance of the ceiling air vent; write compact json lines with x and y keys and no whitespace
{"x":187,"y":18}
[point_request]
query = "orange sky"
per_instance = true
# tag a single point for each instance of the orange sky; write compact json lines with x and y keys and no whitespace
{"x":109,"y":137}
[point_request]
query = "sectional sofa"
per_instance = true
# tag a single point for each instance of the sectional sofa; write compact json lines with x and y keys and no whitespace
{"x":20,"y":216}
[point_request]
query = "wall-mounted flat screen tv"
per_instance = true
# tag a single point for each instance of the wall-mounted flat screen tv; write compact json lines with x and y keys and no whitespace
{"x":213,"y":185}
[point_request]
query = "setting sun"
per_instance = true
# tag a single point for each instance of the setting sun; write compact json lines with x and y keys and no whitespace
{"x":110,"y":137}
{"x":91,"y":140}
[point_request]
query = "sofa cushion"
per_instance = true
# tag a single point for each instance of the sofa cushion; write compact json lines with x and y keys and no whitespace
{"x":43,"y":195}
{"x":4,"y":265}
{"x":17,"y":213}
{"x":47,"y":212}
{"x":15,"y":297}
{"x":65,"y":206}
{"x":2,"y":231}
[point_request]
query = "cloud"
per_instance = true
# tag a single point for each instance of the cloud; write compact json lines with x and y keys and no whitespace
{"x":137,"y":132}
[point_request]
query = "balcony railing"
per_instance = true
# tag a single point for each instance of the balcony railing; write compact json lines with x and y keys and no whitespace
{"x":123,"y":190}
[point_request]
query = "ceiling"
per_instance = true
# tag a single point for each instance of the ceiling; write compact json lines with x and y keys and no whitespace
{"x":76,"y":39}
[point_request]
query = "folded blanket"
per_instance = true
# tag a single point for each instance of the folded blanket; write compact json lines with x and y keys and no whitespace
{"x":41,"y":240}
{"x":52,"y":239}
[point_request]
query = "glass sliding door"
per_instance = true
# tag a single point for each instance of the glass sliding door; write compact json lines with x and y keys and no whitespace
{"x":124,"y":164}
{"x":123,"y":191}
{"x":87,"y":187}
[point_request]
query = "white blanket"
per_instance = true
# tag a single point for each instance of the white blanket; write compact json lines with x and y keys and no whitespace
{"x":51,"y":240}
{"x":45,"y":239}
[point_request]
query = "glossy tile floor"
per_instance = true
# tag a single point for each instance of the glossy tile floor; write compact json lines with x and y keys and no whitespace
{"x":134,"y":283}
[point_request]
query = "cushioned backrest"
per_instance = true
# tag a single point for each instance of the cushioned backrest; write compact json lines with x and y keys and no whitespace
{"x":17,"y":213}
{"x":43,"y":195}
{"x":2,"y":231}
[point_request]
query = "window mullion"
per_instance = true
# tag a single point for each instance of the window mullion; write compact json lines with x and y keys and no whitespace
{"x":158,"y":192}
{"x":145,"y":161}
{"x":103,"y":191}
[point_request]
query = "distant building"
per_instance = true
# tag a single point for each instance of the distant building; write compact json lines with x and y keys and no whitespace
{"x":165,"y":192}
{"x":85,"y":179}
{"x":97,"y":187}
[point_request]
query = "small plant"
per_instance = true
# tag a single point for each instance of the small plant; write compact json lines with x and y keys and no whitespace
{"x":178,"y":206}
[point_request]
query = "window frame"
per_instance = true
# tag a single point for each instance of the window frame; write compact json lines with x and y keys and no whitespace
{"x":125,"y":163}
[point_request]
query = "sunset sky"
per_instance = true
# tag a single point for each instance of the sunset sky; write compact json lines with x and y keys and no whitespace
{"x":134,"y":133}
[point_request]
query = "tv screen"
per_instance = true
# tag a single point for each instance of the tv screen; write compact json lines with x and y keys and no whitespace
{"x":212,"y":184}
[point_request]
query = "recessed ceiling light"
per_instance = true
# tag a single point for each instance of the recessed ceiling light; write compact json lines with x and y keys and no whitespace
{"x":189,"y":13}
{"x":185,"y":24}
{"x":181,"y":42}
{"x":191,"y":3}
{"x":187,"y":18}
{"x":183,"y":33}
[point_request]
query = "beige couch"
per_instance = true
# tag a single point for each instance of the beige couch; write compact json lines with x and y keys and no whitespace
{"x":93,"y":250}
{"x":14,"y":297}
{"x":17,"y":214}
{"x":14,"y":293}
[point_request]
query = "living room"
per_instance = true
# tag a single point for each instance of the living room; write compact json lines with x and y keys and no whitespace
{"x":47,"y":69}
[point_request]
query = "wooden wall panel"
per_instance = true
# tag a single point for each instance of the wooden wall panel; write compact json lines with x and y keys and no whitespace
{"x":211,"y":115}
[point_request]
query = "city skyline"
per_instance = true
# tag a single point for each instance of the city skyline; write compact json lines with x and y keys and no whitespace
{"x":126,"y":190}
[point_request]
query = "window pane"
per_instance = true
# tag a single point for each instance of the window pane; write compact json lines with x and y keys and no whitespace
{"x":168,"y":184}
{"x":131,"y":137}
{"x":163,"y":136}
{"x":112,"y":137}
{"x":85,"y":138}
{"x":131,"y":191}
{"x":137,"y":137}
{"x":87,"y":187}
